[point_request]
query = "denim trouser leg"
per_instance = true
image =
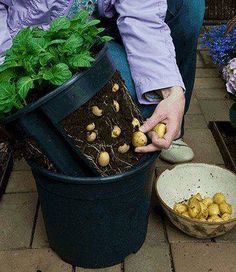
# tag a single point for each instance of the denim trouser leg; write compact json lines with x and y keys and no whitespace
{"x":184,"y":18}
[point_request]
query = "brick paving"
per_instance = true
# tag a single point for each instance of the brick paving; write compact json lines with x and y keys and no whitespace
{"x":23,"y":241}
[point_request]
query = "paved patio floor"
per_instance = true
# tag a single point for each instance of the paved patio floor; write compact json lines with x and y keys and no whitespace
{"x":23,"y":243}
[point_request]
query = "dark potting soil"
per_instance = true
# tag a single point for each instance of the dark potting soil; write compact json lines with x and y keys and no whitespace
{"x":29,"y":150}
{"x":75,"y":125}
{"x":228,"y":132}
{"x":4,"y":155}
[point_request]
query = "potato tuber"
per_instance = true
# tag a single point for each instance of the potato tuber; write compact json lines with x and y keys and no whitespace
{"x":96,"y":111}
{"x":160,"y":129}
{"x":139,"y":139}
{"x":103,"y":159}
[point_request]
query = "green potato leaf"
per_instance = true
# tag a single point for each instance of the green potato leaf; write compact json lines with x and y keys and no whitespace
{"x":59,"y":24}
{"x":81,"y":60}
{"x":58,"y":74}
{"x":23,"y":85}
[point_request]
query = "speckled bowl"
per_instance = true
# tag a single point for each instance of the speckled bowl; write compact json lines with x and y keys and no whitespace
{"x":185,"y":180}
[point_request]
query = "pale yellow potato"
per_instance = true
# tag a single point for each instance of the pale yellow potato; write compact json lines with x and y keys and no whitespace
{"x":135,"y":123}
{"x":139,"y":139}
{"x":103,"y":159}
{"x":123,"y":148}
{"x":207,"y":201}
{"x":160,"y":130}
{"x":115,"y":88}
{"x":91,"y":136}
{"x":197,"y":196}
{"x":90,"y":127}
{"x":218,"y":198}
{"x":225,"y":208}
{"x":96,"y":111}
{"x":116,"y":105}
{"x":115,"y":132}
{"x":186,"y":214}
{"x":204,"y":210}
{"x":215,"y":218}
{"x":213,"y":209}
{"x":194,"y":208}
{"x":180,"y":208}
{"x":226,"y":216}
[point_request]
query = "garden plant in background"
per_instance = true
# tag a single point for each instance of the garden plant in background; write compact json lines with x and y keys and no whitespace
{"x":221,"y":41}
{"x":229,"y":74}
{"x":222,"y":46}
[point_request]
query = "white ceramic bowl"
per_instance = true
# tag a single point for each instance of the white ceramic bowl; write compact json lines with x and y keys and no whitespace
{"x":185,"y":180}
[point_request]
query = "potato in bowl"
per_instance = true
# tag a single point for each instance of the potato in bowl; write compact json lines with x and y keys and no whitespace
{"x":184,"y":181}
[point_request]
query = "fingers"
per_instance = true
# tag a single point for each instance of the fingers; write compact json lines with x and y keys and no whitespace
{"x":146,"y":149}
{"x":151,"y":122}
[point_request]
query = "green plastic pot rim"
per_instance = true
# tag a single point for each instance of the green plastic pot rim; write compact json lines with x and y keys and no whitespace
{"x":95,"y":180}
{"x":55,"y":92}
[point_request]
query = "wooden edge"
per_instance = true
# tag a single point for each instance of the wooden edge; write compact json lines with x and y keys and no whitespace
{"x":221,"y":145}
{"x":6,"y":174}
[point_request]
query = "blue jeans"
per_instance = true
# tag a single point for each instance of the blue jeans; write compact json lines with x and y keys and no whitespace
{"x":185,"y":18}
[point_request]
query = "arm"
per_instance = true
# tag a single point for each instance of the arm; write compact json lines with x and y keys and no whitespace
{"x":148,"y":44}
{"x":5,"y":37}
{"x":151,"y":55}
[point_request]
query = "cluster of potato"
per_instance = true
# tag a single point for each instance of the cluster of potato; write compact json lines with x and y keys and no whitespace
{"x":138,"y":139}
{"x":208,"y":209}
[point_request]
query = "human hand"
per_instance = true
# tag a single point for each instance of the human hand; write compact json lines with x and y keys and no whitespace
{"x":169,"y":111}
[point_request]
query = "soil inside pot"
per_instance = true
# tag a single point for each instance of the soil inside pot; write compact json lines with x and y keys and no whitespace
{"x":4,"y":155}
{"x":29,"y":150}
{"x":228,"y":132}
{"x":75,"y":126}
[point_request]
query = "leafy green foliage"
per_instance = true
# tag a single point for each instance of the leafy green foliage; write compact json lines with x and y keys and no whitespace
{"x":52,"y":56}
{"x":232,"y":114}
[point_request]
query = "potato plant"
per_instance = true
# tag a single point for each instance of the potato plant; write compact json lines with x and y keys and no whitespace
{"x":39,"y":59}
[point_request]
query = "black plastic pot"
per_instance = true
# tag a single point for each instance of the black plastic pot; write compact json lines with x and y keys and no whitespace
{"x":40,"y":120}
{"x":95,"y":222}
{"x":6,"y":173}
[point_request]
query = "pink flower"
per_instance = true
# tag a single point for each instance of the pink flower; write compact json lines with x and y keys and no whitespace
{"x":229,"y":74}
